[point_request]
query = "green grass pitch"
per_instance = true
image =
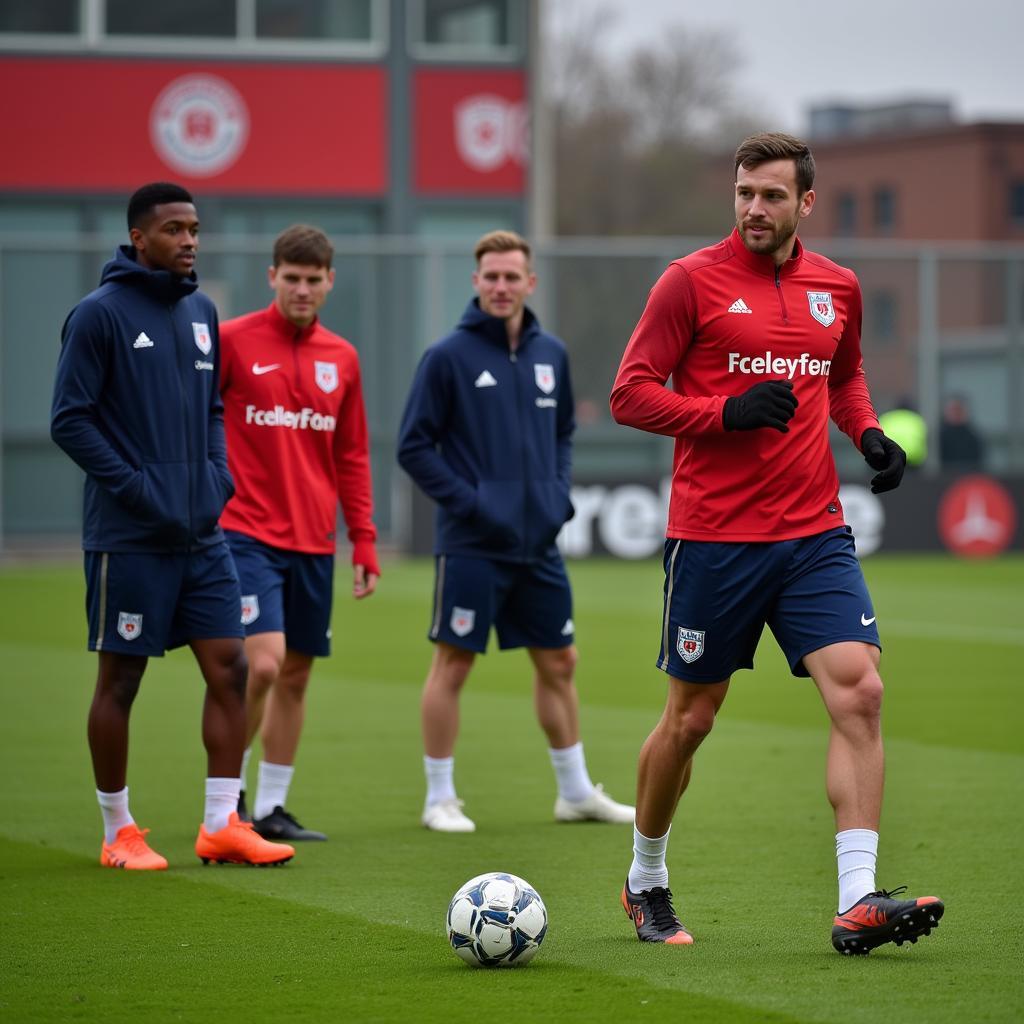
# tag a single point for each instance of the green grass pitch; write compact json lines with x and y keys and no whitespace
{"x":352,"y":930}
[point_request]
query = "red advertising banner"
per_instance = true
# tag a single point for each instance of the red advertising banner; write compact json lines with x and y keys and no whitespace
{"x":471,"y":132}
{"x":107,"y":125}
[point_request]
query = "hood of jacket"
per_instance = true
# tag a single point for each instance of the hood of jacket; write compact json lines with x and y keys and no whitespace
{"x":164,"y":286}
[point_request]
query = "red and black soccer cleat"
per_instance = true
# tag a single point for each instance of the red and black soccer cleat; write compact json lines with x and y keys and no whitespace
{"x":878,"y":918}
{"x":654,"y":917}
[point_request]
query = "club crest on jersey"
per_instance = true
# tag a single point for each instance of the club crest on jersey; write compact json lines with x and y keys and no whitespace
{"x":544,"y":375}
{"x":690,"y":644}
{"x":326,"y":376}
{"x":129,"y":625}
{"x":821,"y":307}
{"x":463,"y":620}
{"x":250,"y":608}
{"x":201,"y":332}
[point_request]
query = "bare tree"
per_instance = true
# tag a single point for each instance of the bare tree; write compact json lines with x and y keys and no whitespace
{"x":636,"y":129}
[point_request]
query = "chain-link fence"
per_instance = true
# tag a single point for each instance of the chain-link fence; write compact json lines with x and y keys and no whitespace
{"x":941,"y":322}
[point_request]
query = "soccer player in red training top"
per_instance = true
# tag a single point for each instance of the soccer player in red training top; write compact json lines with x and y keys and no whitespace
{"x":135,"y":404}
{"x":297,"y":445}
{"x":762,"y":341}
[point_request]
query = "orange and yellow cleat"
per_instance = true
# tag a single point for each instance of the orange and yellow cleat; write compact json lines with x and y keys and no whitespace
{"x":131,"y":851}
{"x":238,"y":843}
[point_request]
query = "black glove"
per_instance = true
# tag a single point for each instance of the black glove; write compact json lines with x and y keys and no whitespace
{"x":884,"y":454}
{"x":768,"y":404}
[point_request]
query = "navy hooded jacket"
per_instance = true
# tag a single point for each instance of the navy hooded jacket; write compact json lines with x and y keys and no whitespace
{"x":136,"y":404}
{"x":487,"y":433}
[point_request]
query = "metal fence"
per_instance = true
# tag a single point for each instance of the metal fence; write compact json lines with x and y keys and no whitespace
{"x":938,"y":320}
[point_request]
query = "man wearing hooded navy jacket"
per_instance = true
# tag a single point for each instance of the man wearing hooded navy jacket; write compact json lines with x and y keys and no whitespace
{"x":487,"y":433}
{"x":136,"y":405}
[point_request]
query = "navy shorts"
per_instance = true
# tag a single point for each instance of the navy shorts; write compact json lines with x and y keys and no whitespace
{"x":529,"y":605}
{"x":146,"y":604}
{"x":286,"y":592}
{"x":718,"y":597}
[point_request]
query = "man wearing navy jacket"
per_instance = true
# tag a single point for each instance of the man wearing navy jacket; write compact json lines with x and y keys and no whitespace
{"x":136,"y":405}
{"x":487,"y":433}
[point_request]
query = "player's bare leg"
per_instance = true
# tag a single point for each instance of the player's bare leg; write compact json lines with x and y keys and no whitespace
{"x":665,"y":758}
{"x":266,"y":653}
{"x":439,"y":717}
{"x":663,"y":773}
{"x":224,"y":667}
{"x":284,"y":714}
{"x":285,"y":711}
{"x":846,"y":675}
{"x":439,"y":705}
{"x":117,"y":685}
{"x":554,"y":694}
{"x":558,"y":710}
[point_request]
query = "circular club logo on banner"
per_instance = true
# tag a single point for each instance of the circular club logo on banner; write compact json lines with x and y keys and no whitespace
{"x":977,"y":517}
{"x":489,"y":131}
{"x":199,"y":125}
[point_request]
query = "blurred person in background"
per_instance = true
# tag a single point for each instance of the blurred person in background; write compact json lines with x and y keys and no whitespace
{"x":298,"y":446}
{"x":761,"y":339}
{"x":487,"y":433}
{"x":136,"y":405}
{"x":960,"y":445}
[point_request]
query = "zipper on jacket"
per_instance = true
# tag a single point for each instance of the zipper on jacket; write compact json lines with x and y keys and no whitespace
{"x":188,"y":432}
{"x":513,"y":358}
{"x":782,"y":298}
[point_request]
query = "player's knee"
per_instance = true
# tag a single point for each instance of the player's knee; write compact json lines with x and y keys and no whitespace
{"x":693,"y":723}
{"x":293,"y":682}
{"x":263,"y":670}
{"x":867,"y":695}
{"x":559,"y":666}
{"x":450,"y":667}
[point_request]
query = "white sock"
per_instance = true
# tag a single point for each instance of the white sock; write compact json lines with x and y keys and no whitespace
{"x":114,"y":808}
{"x":648,"y":867}
{"x":245,"y":766}
{"x":856,"y":852}
{"x":440,"y":772}
{"x":272,"y":784}
{"x":571,"y":772}
{"x":221,"y":800}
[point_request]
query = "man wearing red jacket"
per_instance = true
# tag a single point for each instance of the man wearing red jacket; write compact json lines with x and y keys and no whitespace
{"x":762,"y":341}
{"x":297,"y":445}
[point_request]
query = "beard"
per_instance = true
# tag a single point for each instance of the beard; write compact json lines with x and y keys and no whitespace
{"x":774,"y":238}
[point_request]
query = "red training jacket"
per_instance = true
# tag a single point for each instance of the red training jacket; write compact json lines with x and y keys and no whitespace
{"x":296,"y":435}
{"x":717,"y":322}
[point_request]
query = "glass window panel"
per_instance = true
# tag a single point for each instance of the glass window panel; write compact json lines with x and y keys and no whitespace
{"x":884,"y":202}
{"x":314,"y":19}
{"x":46,"y":16}
{"x":846,"y":214}
{"x":197,"y":18}
{"x":467,"y":23}
{"x":1017,"y":202}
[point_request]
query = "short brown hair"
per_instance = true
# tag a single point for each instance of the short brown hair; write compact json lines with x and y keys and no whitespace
{"x":767,"y":146}
{"x":502,"y":241}
{"x":305,"y":245}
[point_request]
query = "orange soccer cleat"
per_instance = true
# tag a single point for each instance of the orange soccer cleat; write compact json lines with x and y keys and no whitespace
{"x":238,"y":843}
{"x":131,"y":851}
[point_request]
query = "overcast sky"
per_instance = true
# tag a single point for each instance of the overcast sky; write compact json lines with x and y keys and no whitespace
{"x":796,"y":53}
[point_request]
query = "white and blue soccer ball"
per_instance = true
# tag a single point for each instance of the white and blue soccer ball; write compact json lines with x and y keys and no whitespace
{"x":496,"y":920}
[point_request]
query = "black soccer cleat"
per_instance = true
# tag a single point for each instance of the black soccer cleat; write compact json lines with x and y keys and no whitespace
{"x":878,"y":918}
{"x":654,"y":917}
{"x":243,"y":811}
{"x":279,"y":824}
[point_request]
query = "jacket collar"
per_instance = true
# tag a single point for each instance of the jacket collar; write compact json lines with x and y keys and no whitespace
{"x":282,"y":325}
{"x":764,"y":266}
{"x":161,"y":284}
{"x":493,"y":328}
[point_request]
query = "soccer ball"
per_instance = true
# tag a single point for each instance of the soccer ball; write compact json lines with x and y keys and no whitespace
{"x":496,"y":920}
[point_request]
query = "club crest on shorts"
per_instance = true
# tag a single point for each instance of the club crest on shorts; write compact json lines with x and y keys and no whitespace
{"x":821,"y":307}
{"x":326,"y":376}
{"x":250,"y":608}
{"x":129,"y":625}
{"x":690,"y":644}
{"x":544,"y":375}
{"x":201,"y":332}
{"x":463,"y":620}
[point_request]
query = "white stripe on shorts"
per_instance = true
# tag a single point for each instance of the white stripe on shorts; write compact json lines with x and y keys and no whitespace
{"x":103,"y":600}
{"x":435,"y":626}
{"x":663,"y":662}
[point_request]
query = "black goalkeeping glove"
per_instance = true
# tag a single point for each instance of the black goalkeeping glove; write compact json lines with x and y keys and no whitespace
{"x":768,"y":404}
{"x":884,"y":454}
